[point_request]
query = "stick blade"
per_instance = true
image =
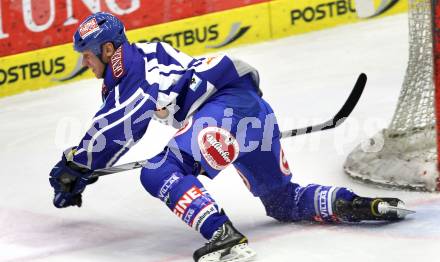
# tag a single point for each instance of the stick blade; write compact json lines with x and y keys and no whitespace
{"x":340,"y":116}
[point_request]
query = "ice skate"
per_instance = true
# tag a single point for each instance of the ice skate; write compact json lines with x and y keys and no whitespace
{"x":364,"y":208}
{"x":226,"y":245}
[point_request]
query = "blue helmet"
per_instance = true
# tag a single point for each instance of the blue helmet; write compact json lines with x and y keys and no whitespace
{"x":98,"y":29}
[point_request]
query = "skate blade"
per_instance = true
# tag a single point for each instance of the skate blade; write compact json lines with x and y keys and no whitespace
{"x":401,"y":212}
{"x":238,"y":253}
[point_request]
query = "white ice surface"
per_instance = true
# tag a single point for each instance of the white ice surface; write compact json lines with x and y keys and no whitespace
{"x":305,"y":78}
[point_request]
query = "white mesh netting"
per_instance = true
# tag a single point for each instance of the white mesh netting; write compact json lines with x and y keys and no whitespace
{"x":408,"y":157}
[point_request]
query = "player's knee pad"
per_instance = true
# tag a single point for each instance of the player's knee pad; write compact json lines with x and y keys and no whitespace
{"x":152,"y":177}
{"x":160,"y":169}
{"x":153,"y":180}
{"x":170,"y":186}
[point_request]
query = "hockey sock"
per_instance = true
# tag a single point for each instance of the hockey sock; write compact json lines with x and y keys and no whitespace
{"x":186,"y":197}
{"x":324,"y":198}
{"x":313,"y":202}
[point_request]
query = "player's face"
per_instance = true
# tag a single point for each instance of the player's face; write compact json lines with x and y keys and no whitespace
{"x":94,"y":63}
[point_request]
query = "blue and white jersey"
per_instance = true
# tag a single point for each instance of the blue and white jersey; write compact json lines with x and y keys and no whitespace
{"x":151,"y":81}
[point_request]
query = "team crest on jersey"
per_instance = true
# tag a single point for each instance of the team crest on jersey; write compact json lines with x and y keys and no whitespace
{"x":284,"y":165}
{"x":88,"y":28}
{"x":218,"y":147}
{"x":116,"y":63}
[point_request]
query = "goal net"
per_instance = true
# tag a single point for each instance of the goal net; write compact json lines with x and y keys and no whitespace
{"x":404,"y":155}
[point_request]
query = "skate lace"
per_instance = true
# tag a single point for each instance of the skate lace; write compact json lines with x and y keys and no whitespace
{"x":215,"y":236}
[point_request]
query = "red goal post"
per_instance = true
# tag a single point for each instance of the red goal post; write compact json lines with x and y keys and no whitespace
{"x":436,"y":71}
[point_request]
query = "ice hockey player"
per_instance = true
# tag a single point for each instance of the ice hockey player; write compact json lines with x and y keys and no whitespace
{"x":216,"y":103}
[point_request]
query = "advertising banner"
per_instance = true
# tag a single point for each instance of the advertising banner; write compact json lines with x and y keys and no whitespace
{"x":30,"y":25}
{"x":297,"y":17}
{"x":27,"y":25}
{"x":207,"y":33}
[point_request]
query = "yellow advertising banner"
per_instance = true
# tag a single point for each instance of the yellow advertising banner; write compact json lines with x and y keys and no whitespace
{"x":207,"y":33}
{"x":297,"y":17}
{"x":212,"y":32}
{"x":202,"y":34}
{"x":38,"y":69}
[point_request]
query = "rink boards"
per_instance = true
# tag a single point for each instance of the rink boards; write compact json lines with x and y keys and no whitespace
{"x":197,"y":35}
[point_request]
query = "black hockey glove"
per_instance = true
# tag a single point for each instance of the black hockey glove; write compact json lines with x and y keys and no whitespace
{"x":69,"y":181}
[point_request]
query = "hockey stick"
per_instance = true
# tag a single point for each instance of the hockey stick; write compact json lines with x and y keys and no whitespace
{"x":340,"y":117}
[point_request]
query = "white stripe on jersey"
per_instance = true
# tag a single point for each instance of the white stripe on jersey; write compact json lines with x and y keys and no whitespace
{"x":117,"y":96}
{"x":147,"y":48}
{"x":107,"y":127}
{"x":153,"y":74}
{"x":210,"y":90}
{"x":136,"y":94}
{"x":181,"y":57}
{"x":165,"y":82}
{"x":164,"y":100}
{"x":150,"y":64}
{"x":113,"y":160}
